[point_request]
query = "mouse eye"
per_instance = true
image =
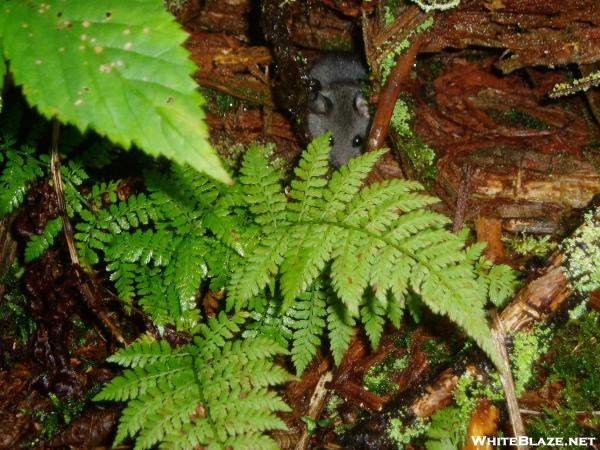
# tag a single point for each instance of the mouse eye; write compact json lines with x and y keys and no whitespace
{"x":357,"y":141}
{"x":331,"y":141}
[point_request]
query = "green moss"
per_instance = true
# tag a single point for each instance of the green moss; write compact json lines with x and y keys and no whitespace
{"x":527,"y":347}
{"x":421,"y":156}
{"x":529,"y":245}
{"x":388,"y":61}
{"x":15,"y":319}
{"x":388,"y":16}
{"x":402,"y":435}
{"x":378,"y":378}
{"x":582,"y":256}
{"x":573,"y":364}
{"x":217,"y":102}
{"x":62,"y":412}
{"x":514,"y":117}
{"x":437,"y":352}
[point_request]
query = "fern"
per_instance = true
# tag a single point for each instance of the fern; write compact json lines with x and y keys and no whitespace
{"x":447,"y":430}
{"x":378,"y":238}
{"x":500,"y":281}
{"x":212,"y":392}
{"x":38,"y":244}
{"x":308,"y":322}
{"x":20,"y":170}
{"x":160,"y":247}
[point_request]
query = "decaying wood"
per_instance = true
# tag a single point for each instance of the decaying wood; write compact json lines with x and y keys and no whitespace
{"x":530,"y":178}
{"x":229,"y":66}
{"x":8,"y":247}
{"x":490,"y":231}
{"x":539,"y":298}
{"x":529,"y":191}
{"x":483,"y":422}
{"x":249,"y":124}
{"x":437,"y":395}
{"x":315,"y":26}
{"x":462,"y":197}
{"x":225,"y":16}
{"x":548,"y":33}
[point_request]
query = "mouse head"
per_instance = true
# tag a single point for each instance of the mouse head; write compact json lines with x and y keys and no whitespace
{"x":341,"y":109}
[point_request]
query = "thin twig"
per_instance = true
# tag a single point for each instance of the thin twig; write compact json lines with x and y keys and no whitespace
{"x":389,"y":94}
{"x":68,"y":232}
{"x":508,"y":383}
{"x":315,"y":406}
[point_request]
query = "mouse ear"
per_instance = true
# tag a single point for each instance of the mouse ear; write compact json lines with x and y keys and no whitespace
{"x":318,"y":103}
{"x":361,"y":104}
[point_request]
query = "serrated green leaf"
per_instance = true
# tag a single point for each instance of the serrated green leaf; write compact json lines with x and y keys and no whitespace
{"x":115,"y":66}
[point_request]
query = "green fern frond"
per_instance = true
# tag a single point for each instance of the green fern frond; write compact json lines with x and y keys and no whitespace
{"x":38,"y":244}
{"x":345,"y":183}
{"x":308,"y":323}
{"x":307,"y":188}
{"x":20,"y":170}
{"x":189,"y":269}
{"x":340,"y":325}
{"x":261,"y":185}
{"x":380,"y":238}
{"x":372,"y":315}
{"x":144,"y":247}
{"x":499,"y":280}
{"x":212,"y":392}
{"x":261,"y":266}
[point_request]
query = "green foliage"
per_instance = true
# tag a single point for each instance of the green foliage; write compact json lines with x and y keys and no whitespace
{"x":211,"y":392}
{"x":582,"y":255}
{"x":20,"y":169}
{"x":128,"y":75}
{"x":447,"y":430}
{"x":308,"y":317}
{"x":379,"y":239}
{"x":448,"y":427}
{"x":38,"y":244}
{"x":529,"y":245}
{"x":198,"y":231}
{"x":15,"y":318}
{"x":527,"y":347}
{"x":500,"y":281}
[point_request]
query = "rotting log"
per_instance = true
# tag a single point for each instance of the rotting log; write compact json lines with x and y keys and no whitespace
{"x":230,"y":66}
{"x":527,"y":190}
{"x":531,"y":33}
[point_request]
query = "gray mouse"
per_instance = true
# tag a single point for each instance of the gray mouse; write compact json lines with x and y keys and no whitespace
{"x":337,"y":104}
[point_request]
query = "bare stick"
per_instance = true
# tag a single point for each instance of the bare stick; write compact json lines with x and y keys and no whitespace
{"x":68,"y":231}
{"x":508,"y":383}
